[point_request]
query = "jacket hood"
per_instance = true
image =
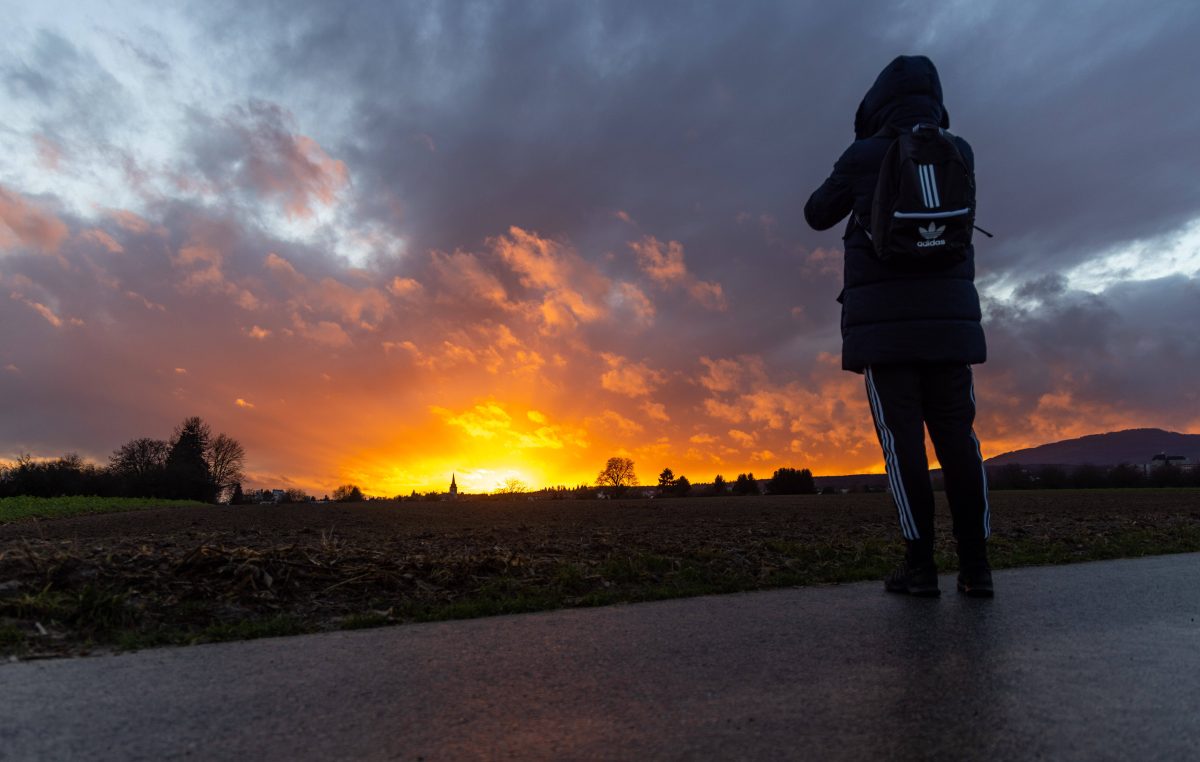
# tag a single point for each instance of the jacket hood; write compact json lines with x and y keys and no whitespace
{"x":907,"y":90}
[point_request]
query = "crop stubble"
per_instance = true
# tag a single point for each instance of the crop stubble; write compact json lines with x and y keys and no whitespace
{"x":181,"y":575}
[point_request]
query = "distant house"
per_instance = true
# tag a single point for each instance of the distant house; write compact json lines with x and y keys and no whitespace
{"x":277,"y":495}
{"x":1162,"y":459}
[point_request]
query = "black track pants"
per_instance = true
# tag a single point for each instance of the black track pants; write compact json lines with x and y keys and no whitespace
{"x":904,"y":400}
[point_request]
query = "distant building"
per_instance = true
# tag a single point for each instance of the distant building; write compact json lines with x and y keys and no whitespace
{"x":453,"y":487}
{"x":1162,"y":459}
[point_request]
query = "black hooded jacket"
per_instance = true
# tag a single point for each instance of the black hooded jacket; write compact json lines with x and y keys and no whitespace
{"x":891,"y":315}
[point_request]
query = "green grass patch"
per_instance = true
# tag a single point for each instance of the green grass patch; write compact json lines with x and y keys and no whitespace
{"x":90,"y":609}
{"x":364,"y":621}
{"x":1125,"y":543}
{"x":249,"y":629}
{"x":11,"y":636}
{"x":218,"y":632}
{"x":24,"y":507}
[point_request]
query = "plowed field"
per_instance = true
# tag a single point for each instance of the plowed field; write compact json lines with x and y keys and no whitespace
{"x":182,"y":575}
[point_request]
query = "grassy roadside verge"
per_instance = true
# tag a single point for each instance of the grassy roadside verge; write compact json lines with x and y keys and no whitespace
{"x":24,"y":507}
{"x":64,"y":598}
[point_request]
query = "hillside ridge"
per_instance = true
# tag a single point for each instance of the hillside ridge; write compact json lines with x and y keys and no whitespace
{"x":1106,"y":449}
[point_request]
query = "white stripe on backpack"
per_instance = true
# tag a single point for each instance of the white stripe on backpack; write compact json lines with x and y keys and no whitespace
{"x":929,"y":185}
{"x":924,"y":185}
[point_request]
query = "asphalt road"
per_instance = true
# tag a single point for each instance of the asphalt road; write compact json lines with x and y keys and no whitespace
{"x":1092,"y":661}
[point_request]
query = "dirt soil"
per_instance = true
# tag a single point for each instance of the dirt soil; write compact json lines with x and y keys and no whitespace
{"x":178,"y":575}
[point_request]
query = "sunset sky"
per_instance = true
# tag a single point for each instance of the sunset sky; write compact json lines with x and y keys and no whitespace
{"x":381,"y":242}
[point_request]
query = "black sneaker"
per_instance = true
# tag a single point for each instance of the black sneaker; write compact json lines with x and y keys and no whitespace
{"x":921,"y":581}
{"x":976,"y":583}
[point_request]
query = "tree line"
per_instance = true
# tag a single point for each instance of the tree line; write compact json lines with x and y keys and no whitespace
{"x":192,"y":465}
{"x":1122,"y":476}
{"x":619,"y":475}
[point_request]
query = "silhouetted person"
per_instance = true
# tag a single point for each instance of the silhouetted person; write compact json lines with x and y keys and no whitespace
{"x":910,"y":311}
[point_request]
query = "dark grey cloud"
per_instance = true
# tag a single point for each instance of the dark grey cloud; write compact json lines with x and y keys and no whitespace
{"x":550,"y":116}
{"x":81,"y":98}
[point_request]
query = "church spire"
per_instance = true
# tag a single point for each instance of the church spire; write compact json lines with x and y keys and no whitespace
{"x":453,"y":486}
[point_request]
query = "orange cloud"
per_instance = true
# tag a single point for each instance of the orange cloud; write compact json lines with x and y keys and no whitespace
{"x":708,"y":294}
{"x":324,"y":332}
{"x":655,"y":411}
{"x":202,"y":264}
{"x":722,"y":375}
{"x":742,"y":438}
{"x":129,"y":221}
{"x":277,"y":163}
{"x":629,"y":297}
{"x":281,"y":267}
{"x":494,"y":347}
{"x":47,"y":313}
{"x":24,"y":224}
{"x":820,"y":261}
{"x":570,"y":289}
{"x":102,"y":238}
{"x":462,"y":275}
{"x":631,"y":379}
{"x":404,"y":287}
{"x":614,"y":423}
{"x":334,"y":304}
{"x":491,"y":421}
{"x":665,"y":266}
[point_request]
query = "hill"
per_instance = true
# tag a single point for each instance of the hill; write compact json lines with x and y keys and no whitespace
{"x":1128,"y":446}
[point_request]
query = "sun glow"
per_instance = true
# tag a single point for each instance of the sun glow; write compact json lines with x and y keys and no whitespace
{"x":475,"y":473}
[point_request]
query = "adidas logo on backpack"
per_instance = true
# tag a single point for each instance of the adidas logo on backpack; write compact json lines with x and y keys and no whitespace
{"x":932,"y":235}
{"x":924,"y":206}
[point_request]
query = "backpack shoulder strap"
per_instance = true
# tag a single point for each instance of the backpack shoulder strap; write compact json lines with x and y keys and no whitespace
{"x":887,"y":131}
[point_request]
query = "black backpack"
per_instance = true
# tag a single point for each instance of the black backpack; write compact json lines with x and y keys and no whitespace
{"x":924,"y":206}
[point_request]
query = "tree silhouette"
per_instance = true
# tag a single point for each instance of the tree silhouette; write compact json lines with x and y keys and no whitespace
{"x":682,"y":487}
{"x":1125,"y":475}
{"x":789,"y":481}
{"x":348,"y":493}
{"x":67,"y":475}
{"x":187,"y":471}
{"x":139,"y":465}
{"x":746,"y":484}
{"x":1051,"y":477}
{"x":512,"y":487}
{"x":618,"y":474}
{"x":225,"y":456}
{"x":666,"y":480}
{"x":1087,"y":476}
{"x":719,"y":485}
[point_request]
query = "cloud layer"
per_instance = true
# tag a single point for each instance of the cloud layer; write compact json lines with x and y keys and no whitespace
{"x":384,"y":242}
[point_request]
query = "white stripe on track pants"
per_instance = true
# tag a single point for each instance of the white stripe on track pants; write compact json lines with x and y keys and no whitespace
{"x":904,"y":400}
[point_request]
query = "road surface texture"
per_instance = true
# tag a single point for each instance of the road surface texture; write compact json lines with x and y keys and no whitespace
{"x":1091,"y":661}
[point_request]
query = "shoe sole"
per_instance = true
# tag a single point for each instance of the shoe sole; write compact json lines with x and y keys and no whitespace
{"x":976,"y":592}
